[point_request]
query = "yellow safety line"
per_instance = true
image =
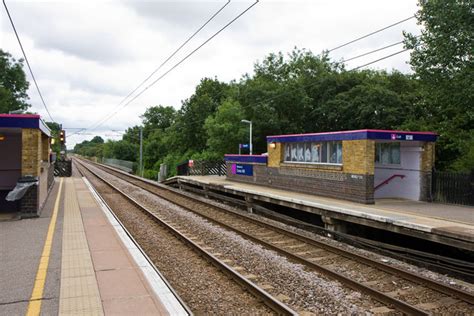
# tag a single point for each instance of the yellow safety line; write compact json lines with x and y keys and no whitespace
{"x":34,"y":306}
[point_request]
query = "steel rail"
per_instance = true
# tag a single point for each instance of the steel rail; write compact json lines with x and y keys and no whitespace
{"x":180,"y":300}
{"x":379,"y":296}
{"x":442,"y":288}
{"x":436,"y":262}
{"x":259,"y":293}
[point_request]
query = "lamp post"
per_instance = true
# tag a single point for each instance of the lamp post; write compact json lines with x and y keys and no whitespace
{"x":250,"y":144}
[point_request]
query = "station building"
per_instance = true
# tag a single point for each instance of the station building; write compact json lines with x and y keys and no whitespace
{"x":358,"y":165}
{"x":24,"y":164}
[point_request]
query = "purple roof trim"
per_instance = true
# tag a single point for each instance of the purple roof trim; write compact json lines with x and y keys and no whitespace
{"x":24,"y":121}
{"x":356,"y":135}
{"x":246,"y":158}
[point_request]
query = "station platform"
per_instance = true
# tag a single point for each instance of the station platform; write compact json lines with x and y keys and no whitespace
{"x":441,"y":223}
{"x":76,"y":259}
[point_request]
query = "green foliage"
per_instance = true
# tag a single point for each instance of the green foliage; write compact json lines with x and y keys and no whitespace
{"x":189,"y":130}
{"x":158,"y":118}
{"x":55,"y":129}
{"x":224,"y":129}
{"x":300,"y":93}
{"x":92,"y":148}
{"x":442,"y":59}
{"x":13,"y":84}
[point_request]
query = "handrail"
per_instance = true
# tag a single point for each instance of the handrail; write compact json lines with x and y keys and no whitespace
{"x":388,"y":180}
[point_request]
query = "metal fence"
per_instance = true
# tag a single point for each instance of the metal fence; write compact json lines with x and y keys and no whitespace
{"x":124,"y":165}
{"x":202,"y":168}
{"x":63,"y":168}
{"x":453,"y":187}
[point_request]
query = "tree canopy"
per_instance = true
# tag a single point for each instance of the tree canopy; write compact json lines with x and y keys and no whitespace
{"x":442,"y":58}
{"x":13,"y":84}
{"x":302,"y":93}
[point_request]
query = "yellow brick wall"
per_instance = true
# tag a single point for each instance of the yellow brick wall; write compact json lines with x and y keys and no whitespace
{"x":30,"y":152}
{"x":427,"y":157}
{"x":44,"y":148}
{"x":358,"y":156}
{"x":275,"y":155}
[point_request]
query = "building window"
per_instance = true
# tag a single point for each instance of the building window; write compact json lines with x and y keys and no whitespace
{"x":320,"y":152}
{"x":387,"y":153}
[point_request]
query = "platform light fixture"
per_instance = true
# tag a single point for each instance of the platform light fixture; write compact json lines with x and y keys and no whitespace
{"x":250,"y":144}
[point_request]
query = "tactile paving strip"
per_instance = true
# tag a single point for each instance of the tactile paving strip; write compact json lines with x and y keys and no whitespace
{"x":79,"y":293}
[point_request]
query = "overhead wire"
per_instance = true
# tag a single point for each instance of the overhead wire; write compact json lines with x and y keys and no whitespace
{"x":371,"y":33}
{"x":179,"y":63}
{"x":163,"y":63}
{"x":382,"y":58}
{"x":177,"y":50}
{"x":309,"y":85}
{"x":374,"y":51}
{"x":356,"y":68}
{"x":27,"y":62}
{"x":95,"y":125}
{"x":107,"y":117}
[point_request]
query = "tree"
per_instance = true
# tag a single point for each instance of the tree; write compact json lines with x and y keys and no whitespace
{"x":224,"y":129}
{"x":442,"y":59}
{"x":158,"y":117}
{"x":189,"y":127}
{"x":55,"y":130}
{"x":97,"y":140}
{"x":13,"y":84}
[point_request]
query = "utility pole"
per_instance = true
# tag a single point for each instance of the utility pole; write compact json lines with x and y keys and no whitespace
{"x":250,"y":145}
{"x":141,"y":151}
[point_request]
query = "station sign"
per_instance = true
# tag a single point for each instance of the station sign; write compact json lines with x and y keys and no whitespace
{"x":401,"y":137}
{"x":242,"y":170}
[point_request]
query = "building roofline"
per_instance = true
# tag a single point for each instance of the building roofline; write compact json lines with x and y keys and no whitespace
{"x":356,"y":131}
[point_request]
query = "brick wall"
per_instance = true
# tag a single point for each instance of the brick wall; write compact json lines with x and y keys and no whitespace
{"x":354,"y":180}
{"x":44,"y":148}
{"x":358,"y":156}
{"x":427,"y":157}
{"x":330,"y":183}
{"x":426,"y":166}
{"x":29,"y":202}
{"x":30,"y":152}
{"x":275,"y":155}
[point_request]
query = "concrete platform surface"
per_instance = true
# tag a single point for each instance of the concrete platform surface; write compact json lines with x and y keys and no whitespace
{"x":452,"y":221}
{"x":77,"y":260}
{"x":21,"y":247}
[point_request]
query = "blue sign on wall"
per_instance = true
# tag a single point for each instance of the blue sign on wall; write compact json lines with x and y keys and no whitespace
{"x":243,"y":170}
{"x":244,"y":146}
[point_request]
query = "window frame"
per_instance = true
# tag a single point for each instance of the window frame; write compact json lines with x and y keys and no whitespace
{"x":323,"y":146}
{"x":378,"y":154}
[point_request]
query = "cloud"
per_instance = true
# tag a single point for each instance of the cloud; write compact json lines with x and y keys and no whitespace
{"x":88,"y":55}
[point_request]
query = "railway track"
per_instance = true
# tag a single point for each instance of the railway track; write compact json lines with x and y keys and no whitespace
{"x":394,"y":287}
{"x":189,"y":240}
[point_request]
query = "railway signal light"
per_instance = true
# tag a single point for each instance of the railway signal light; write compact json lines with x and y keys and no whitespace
{"x":62,"y":136}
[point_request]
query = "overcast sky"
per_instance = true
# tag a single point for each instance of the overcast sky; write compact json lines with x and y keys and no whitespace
{"x":88,"y":55}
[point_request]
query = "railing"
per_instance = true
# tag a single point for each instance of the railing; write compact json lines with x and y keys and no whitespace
{"x":63,"y":168}
{"x":124,"y":165}
{"x":453,"y":187}
{"x":202,"y":168}
{"x":388,"y":180}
